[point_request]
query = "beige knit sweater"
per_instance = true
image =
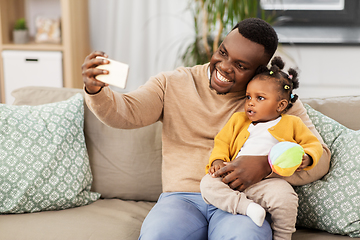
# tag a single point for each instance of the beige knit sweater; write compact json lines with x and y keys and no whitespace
{"x":192,"y":114}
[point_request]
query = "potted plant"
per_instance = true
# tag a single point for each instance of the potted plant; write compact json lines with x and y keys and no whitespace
{"x":20,"y":32}
{"x":212,"y":20}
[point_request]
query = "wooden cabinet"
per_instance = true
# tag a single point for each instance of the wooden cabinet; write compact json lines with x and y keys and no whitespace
{"x":74,"y":37}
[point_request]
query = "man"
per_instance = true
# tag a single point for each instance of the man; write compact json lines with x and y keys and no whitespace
{"x":193,"y":105}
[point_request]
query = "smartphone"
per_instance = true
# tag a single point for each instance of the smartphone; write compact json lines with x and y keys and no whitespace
{"x":118,"y":73}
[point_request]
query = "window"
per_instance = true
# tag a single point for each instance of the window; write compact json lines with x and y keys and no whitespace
{"x":302,"y":4}
{"x":314,"y":12}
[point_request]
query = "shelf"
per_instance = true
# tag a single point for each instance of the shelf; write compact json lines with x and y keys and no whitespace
{"x":75,"y":45}
{"x":32,"y":46}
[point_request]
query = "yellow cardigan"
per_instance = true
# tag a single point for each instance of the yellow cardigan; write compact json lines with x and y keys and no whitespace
{"x":234,"y":134}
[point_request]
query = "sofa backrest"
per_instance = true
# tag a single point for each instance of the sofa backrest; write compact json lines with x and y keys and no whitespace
{"x":125,"y":164}
{"x":345,"y":110}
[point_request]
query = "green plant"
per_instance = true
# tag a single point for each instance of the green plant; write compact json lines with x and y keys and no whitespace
{"x":212,"y":20}
{"x":20,"y":24}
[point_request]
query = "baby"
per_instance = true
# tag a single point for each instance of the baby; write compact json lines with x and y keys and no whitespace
{"x":254,"y":132}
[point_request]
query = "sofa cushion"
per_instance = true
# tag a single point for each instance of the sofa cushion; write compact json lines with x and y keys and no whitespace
{"x":110,"y":219}
{"x":44,"y":164}
{"x":333,"y":202}
{"x":113,"y":153}
{"x":314,"y":234}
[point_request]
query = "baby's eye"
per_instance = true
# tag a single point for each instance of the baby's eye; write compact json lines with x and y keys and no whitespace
{"x":261,"y":98}
{"x":248,"y":97}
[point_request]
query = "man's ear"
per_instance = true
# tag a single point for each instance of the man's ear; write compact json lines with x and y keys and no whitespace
{"x":282,"y":105}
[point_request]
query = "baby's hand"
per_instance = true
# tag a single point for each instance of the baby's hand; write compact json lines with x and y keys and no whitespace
{"x":216,"y":165}
{"x":306,"y":161}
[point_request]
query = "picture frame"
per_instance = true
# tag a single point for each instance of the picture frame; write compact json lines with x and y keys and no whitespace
{"x":47,"y":30}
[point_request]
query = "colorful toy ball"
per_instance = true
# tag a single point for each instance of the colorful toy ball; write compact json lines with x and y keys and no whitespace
{"x":285,"y":157}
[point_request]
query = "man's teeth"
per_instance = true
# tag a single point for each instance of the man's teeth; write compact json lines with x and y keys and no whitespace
{"x":221,"y":78}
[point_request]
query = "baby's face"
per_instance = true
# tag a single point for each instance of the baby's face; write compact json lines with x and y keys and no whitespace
{"x":262,"y":101}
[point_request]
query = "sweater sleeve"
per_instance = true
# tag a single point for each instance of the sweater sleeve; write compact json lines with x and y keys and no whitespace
{"x":308,"y":141}
{"x":299,"y":110}
{"x":136,"y":109}
{"x":223,"y":141}
{"x":322,"y":167}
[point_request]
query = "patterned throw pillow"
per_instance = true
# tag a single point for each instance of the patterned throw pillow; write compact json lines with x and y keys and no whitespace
{"x":332,"y":203}
{"x":44,"y":163}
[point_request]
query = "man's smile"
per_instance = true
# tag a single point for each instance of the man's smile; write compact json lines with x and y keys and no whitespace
{"x":221,"y":77}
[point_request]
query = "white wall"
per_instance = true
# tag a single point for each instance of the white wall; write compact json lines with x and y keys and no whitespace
{"x":325,"y":70}
{"x":148,"y":34}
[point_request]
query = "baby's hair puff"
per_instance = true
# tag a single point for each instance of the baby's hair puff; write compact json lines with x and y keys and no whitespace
{"x":287,"y":82}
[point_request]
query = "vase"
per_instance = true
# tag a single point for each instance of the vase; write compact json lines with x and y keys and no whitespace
{"x":20,"y":36}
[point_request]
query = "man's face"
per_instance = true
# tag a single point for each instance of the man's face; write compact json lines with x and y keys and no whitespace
{"x":234,"y":63}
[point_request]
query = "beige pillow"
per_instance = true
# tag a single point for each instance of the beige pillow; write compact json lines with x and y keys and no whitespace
{"x":126,"y":164}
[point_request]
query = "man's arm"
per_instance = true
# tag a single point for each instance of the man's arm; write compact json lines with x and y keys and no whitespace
{"x":245,"y":171}
{"x":89,"y":72}
{"x":135,"y":109}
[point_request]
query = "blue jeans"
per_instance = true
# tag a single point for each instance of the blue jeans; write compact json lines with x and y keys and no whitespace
{"x":185,"y":216}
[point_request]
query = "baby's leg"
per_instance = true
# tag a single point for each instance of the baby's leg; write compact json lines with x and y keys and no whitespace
{"x":279,"y":199}
{"x":219,"y":194}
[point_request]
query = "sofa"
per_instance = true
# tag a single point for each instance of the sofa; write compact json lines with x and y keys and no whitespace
{"x":126,"y":170}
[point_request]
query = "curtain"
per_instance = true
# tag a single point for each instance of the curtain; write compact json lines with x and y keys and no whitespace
{"x":149,"y":35}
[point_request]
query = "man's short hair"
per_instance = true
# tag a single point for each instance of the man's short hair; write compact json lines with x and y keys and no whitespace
{"x":259,"y":31}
